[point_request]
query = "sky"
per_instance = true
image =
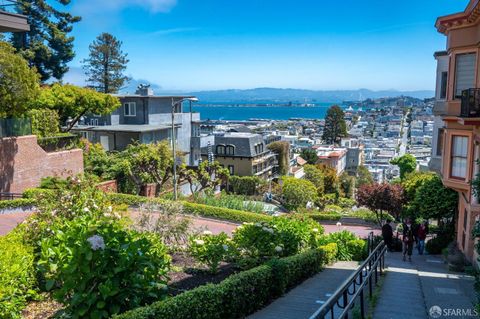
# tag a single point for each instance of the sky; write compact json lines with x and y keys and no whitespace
{"x":192,"y":45}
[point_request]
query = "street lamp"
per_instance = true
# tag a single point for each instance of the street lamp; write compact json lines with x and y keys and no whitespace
{"x":174,"y":104}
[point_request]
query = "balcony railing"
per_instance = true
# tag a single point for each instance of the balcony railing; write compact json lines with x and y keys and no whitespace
{"x":470,"y":106}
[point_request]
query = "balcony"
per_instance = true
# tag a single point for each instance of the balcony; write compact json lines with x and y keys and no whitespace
{"x":11,"y":21}
{"x":470,"y":106}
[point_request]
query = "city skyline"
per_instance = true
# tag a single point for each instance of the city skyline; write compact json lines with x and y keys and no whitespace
{"x":185,"y":45}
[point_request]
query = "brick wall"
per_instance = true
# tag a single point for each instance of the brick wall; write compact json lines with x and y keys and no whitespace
{"x":23,"y":163}
{"x":108,"y":186}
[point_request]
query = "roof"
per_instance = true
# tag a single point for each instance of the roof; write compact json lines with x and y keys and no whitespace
{"x":301,"y":161}
{"x":244,"y":144}
{"x":125,"y":128}
{"x":461,"y":19}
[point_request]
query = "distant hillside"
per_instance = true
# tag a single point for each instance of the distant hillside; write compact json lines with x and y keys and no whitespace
{"x":300,"y":95}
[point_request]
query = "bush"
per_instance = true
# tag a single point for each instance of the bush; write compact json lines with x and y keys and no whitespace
{"x":344,"y":202}
{"x":323,"y":216}
{"x":225,"y":213}
{"x":358,"y":249}
{"x":130,"y":200}
{"x":297,"y":192}
{"x":37,"y":193}
{"x":369,"y":216}
{"x":98,"y":268}
{"x":45,"y":122}
{"x":232,"y":202}
{"x":331,"y":251}
{"x":342,"y":239}
{"x":435,"y":245}
{"x":16,"y":203}
{"x":244,"y":185}
{"x":237,"y":296}
{"x":17,"y":275}
{"x":210,"y":249}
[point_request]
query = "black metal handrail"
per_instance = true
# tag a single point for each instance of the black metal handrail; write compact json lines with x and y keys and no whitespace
{"x":345,"y":297}
{"x":9,"y":196}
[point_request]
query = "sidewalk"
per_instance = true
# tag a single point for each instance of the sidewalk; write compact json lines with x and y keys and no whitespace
{"x":305,"y":299}
{"x":411,"y":289}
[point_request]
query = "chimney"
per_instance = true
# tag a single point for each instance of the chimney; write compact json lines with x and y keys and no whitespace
{"x":144,"y":90}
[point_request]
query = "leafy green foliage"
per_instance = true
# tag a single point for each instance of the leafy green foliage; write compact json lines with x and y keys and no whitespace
{"x":48,"y":45}
{"x":314,"y":174}
{"x":19,"y":84}
{"x":16,"y":203}
{"x":348,"y":244}
{"x":282,"y":149}
{"x":364,"y":177}
{"x":407,"y":164}
{"x":45,"y":122}
{"x":310,"y":155}
{"x":240,"y":294}
{"x":297,"y":192}
{"x":245,"y":185}
{"x":106,"y":64}
{"x":206,"y":177}
{"x":224,"y":213}
{"x":381,"y":198}
{"x":335,"y":126}
{"x":73,"y":102}
{"x":210,"y":249}
{"x":331,"y":252}
{"x":17,"y":275}
{"x":347,"y":184}
{"x":330,"y":179}
{"x":232,"y":202}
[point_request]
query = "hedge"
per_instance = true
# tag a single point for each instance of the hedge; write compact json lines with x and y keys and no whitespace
{"x":239,"y":295}
{"x":324,"y":216}
{"x":330,"y":251}
{"x":35,"y":193}
{"x":16,"y":203}
{"x":225,"y":213}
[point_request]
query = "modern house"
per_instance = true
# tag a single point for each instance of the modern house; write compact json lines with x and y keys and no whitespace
{"x":244,"y":154}
{"x":146,"y":118}
{"x":457,"y":136}
{"x":12,"y":22}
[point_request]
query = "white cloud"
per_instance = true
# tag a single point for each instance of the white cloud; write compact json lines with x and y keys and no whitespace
{"x":172,"y":30}
{"x":94,"y":6}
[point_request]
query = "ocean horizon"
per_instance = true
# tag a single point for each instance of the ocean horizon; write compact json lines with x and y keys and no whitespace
{"x":246,"y":112}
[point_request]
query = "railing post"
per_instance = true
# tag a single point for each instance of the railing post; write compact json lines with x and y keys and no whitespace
{"x":362,"y":301}
{"x":376,"y":274}
{"x":345,"y":302}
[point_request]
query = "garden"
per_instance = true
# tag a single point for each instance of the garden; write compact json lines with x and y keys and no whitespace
{"x":83,"y":255}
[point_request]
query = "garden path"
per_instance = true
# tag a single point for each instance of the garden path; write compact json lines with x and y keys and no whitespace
{"x":303,"y":300}
{"x":412,"y":289}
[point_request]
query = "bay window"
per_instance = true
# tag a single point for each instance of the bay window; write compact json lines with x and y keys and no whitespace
{"x":464,"y":72}
{"x":459,"y":153}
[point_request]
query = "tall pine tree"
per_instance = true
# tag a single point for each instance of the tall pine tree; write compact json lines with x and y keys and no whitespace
{"x":47,"y":46}
{"x":335,"y":126}
{"x":106,"y":64}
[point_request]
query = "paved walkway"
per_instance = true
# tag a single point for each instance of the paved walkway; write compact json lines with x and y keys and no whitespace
{"x":305,"y":299}
{"x":411,"y":289}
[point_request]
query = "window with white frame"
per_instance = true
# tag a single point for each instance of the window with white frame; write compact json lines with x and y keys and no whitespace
{"x":130,"y":108}
{"x":459,"y":156}
{"x":221,"y":150}
{"x":464,"y":72}
{"x":230,"y":150}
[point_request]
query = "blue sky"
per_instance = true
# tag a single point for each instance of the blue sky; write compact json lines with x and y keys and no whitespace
{"x":311,"y":44}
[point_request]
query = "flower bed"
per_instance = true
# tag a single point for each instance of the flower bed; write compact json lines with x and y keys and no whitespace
{"x":240,"y":294}
{"x":225,"y":213}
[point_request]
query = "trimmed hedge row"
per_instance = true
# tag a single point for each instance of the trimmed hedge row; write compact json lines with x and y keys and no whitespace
{"x":225,"y":213}
{"x":324,"y":216}
{"x":239,"y":295}
{"x":16,"y":203}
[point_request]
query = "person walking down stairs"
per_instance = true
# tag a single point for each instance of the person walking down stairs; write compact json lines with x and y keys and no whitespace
{"x":408,"y":239}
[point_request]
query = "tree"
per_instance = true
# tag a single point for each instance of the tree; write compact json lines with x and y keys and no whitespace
{"x":206,"y":176}
{"x":335,"y":126}
{"x":47,"y":45}
{"x":106,"y":64}
{"x":19,"y":84}
{"x":297,"y":192}
{"x":364,"y":177}
{"x":381,"y":198}
{"x":309,"y":155}
{"x":347,"y":184}
{"x":282,"y":149}
{"x":407,"y":164}
{"x":330,"y":178}
{"x":74,"y":102}
{"x":314,"y":175}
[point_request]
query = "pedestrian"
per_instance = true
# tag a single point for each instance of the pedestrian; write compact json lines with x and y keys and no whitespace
{"x":408,"y":239}
{"x":422,"y":235}
{"x":387,"y":234}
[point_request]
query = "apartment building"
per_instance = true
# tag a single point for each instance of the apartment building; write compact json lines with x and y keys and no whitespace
{"x":457,"y":110}
{"x":146,"y":118}
{"x":244,"y":154}
{"x":335,"y":157}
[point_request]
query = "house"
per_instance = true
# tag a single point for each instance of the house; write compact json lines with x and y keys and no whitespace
{"x":146,"y":118}
{"x":458,"y":106}
{"x":12,"y":22}
{"x":244,"y":154}
{"x":334,"y":157}
{"x":296,"y":166}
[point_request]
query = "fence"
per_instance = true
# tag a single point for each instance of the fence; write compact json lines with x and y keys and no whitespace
{"x":9,"y":196}
{"x":353,"y":289}
{"x":15,"y":127}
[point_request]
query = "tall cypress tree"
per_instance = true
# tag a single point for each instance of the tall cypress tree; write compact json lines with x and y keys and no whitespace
{"x":106,"y":64}
{"x":47,"y":46}
{"x":335,"y":126}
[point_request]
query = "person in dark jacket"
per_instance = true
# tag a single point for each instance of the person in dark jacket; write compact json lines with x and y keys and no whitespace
{"x":408,"y":239}
{"x":387,"y":234}
{"x":422,"y":232}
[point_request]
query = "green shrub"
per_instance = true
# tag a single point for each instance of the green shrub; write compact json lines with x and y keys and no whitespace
{"x":17,"y":275}
{"x":358,"y":249}
{"x":341,"y":238}
{"x":130,"y":200}
{"x":45,"y":122}
{"x":97,"y":267}
{"x":244,"y":185}
{"x":297,"y":192}
{"x":237,"y":296}
{"x":330,"y":250}
{"x":323,"y":216}
{"x":16,"y":203}
{"x":210,"y":249}
{"x":37,"y":193}
{"x":225,"y":213}
{"x":344,"y":202}
{"x":232,"y":202}
{"x":332,"y":209}
{"x":435,"y":245}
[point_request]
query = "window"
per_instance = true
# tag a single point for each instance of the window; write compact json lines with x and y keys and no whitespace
{"x":440,"y":142}
{"x":230,"y":150}
{"x":94,"y":122}
{"x":464,"y":72}
{"x":231,"y":169}
{"x":443,"y":85}
{"x":459,"y":157}
{"x":130,"y":109}
{"x":220,"y":149}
